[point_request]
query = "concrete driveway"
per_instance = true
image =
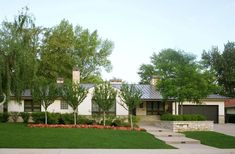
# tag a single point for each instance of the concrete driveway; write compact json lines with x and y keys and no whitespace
{"x":228,"y":128}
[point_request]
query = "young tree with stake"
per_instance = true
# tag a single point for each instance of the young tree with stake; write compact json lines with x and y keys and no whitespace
{"x":131,"y":97}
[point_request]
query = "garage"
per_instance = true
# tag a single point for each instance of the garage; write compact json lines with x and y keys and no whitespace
{"x":209,"y":111}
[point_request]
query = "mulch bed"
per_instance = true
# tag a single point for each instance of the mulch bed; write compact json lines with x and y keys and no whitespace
{"x":82,"y":126}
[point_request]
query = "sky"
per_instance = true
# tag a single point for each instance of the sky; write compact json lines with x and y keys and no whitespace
{"x":138,"y":28}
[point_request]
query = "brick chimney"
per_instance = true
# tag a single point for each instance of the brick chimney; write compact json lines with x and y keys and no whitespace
{"x":60,"y":80}
{"x":154,"y":79}
{"x":76,"y":75}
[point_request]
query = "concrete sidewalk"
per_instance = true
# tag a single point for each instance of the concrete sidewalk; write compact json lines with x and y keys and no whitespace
{"x":176,"y":140}
{"x":117,"y":151}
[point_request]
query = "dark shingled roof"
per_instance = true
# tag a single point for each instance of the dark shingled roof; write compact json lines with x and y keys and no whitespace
{"x":149,"y":92}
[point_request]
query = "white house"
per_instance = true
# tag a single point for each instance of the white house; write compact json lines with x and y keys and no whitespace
{"x":152,"y":106}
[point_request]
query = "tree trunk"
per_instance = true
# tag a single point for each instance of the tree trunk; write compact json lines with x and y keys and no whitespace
{"x":131,"y":121}
{"x":75,"y":117}
{"x":181,"y":108}
{"x":8,"y":86}
{"x":104,"y":118}
{"x":46,"y":116}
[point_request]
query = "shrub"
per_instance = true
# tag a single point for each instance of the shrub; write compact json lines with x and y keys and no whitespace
{"x":117,"y":122}
{"x":135,"y":119}
{"x":108,"y":122}
{"x":4,"y":117}
{"x":25,"y":116}
{"x":38,"y":117}
{"x":185,"y":117}
{"x":85,"y":120}
{"x":66,"y":118}
{"x":53,"y":118}
{"x":14,"y":116}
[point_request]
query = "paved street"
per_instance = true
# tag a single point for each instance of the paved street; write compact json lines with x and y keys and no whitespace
{"x":116,"y":151}
{"x":228,"y":128}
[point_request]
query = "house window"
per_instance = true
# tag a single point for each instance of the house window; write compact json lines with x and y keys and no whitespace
{"x":97,"y":110}
{"x":30,"y":106}
{"x":63,"y":105}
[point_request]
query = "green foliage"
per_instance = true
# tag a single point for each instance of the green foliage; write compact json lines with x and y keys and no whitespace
{"x":105,"y":97}
{"x":44,"y":92}
{"x":184,"y":117}
{"x":85,"y":120}
{"x":53,"y":118}
{"x":66,"y":118}
{"x":181,"y":77}
{"x":19,"y":42}
{"x":4,"y":117}
{"x":131,"y":97}
{"x":73,"y":94}
{"x":38,"y":117}
{"x":25,"y":116}
{"x":65,"y":47}
{"x":14,"y":116}
{"x":146,"y":71}
{"x":222,"y":64}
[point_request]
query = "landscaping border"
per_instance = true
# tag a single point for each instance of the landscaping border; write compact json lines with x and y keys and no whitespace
{"x":83,"y":126}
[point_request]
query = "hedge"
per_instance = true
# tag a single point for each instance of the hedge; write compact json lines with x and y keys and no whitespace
{"x":184,"y":117}
{"x":4,"y":117}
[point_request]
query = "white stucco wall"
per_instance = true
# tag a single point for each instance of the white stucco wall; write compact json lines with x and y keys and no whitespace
{"x":120,"y":110}
{"x":85,"y":107}
{"x":55,"y":107}
{"x":14,"y":106}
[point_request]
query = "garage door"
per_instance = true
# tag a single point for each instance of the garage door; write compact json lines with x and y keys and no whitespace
{"x":209,"y":111}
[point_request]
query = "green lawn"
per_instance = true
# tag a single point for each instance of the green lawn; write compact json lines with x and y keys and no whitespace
{"x":213,"y":139}
{"x":20,"y":136}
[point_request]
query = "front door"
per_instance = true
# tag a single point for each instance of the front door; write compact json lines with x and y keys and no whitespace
{"x":154,"y":108}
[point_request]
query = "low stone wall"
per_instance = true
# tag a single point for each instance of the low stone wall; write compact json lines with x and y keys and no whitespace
{"x":181,"y":126}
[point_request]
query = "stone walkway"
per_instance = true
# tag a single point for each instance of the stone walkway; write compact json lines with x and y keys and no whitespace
{"x":177,"y":140}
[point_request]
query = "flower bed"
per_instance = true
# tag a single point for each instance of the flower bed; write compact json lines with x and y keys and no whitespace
{"x":83,"y":126}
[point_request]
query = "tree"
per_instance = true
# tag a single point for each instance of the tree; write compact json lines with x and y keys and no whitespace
{"x":223,"y":66}
{"x":105,"y":97}
{"x":56,"y":52}
{"x":146,"y":71}
{"x":131,"y":97}
{"x":18,"y":45}
{"x":74,"y":95}
{"x":44,"y":92}
{"x":65,"y":47}
{"x":91,"y":53}
{"x":181,"y":78}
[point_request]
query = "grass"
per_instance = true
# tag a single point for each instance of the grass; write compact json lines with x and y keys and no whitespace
{"x":213,"y":139}
{"x":20,"y":136}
